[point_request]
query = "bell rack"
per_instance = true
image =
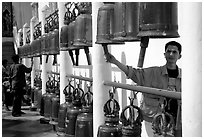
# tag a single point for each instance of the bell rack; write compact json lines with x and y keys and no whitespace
{"x":149,"y":90}
{"x":79,"y":77}
{"x":73,"y":10}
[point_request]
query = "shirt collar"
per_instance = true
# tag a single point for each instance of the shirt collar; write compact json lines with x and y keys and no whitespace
{"x":164,"y":71}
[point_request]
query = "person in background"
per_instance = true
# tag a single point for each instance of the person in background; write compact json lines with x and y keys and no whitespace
{"x":166,"y":77}
{"x":18,"y":82}
{"x":5,"y":84}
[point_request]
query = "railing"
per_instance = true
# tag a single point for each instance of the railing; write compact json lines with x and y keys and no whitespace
{"x":149,"y":90}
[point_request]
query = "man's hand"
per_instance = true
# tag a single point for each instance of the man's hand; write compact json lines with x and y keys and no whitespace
{"x":109,"y":58}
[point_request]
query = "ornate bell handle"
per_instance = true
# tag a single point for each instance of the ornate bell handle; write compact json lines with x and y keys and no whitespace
{"x":88,"y":98}
{"x":159,"y":123}
{"x":111,"y":107}
{"x":132,"y":117}
{"x":78,"y":92}
{"x":69,"y":86}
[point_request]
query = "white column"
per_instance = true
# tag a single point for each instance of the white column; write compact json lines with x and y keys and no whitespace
{"x":123,"y":80}
{"x":26,"y":61}
{"x":35,"y":62}
{"x":45,"y":66}
{"x":191,"y":36}
{"x":101,"y":72}
{"x":20,"y":31}
{"x":65,"y":61}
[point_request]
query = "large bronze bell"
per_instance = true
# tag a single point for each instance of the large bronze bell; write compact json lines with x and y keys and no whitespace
{"x":133,"y":124}
{"x":71,"y":31}
{"x":55,"y":104}
{"x":83,"y":28}
{"x":126,"y":19}
{"x":105,"y":24}
{"x":74,"y":111}
{"x":111,"y":127}
{"x":158,"y":20}
{"x":48,"y":98}
{"x":54,"y":42}
{"x":44,"y":43}
{"x":84,"y":122}
{"x":64,"y":38}
{"x":36,"y":47}
{"x":68,"y":91}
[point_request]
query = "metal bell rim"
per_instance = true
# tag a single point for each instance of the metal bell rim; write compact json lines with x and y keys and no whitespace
{"x":79,"y":43}
{"x":158,"y":34}
{"x":75,"y":47}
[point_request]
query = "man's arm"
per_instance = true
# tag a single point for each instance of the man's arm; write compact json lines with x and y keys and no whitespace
{"x":110,"y":58}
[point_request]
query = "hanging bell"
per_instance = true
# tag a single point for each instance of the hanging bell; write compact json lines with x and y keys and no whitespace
{"x":64,"y":38}
{"x":83,"y":27}
{"x":131,"y":126}
{"x":48,"y":102}
{"x":74,"y":111}
{"x":84,"y":122}
{"x":126,"y":19}
{"x":54,"y":42}
{"x":68,"y":91}
{"x":71,"y":31}
{"x":55,"y":104}
{"x":105,"y":24}
{"x":44,"y":43}
{"x":158,"y":20}
{"x":111,"y":127}
{"x":36,"y":47}
{"x":163,"y":124}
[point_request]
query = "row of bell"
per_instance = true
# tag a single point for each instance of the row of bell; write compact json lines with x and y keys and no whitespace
{"x":50,"y":101}
{"x":75,"y":116}
{"x":129,"y":21}
{"x":116,"y":22}
{"x":77,"y":34}
{"x":47,"y":44}
{"x":131,"y":118}
{"x":72,"y":118}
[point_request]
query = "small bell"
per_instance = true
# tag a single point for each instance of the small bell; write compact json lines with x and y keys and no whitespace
{"x":163,"y":124}
{"x":131,"y":126}
{"x":111,"y":127}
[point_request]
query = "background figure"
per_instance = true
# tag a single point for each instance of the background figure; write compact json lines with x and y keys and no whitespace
{"x":18,"y":82}
{"x":5,"y":85}
{"x":166,"y":77}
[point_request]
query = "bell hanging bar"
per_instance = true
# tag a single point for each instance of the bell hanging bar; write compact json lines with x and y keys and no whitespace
{"x":80,"y":77}
{"x":149,"y":90}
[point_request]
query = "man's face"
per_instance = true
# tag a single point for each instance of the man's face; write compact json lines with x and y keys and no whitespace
{"x":172,"y":54}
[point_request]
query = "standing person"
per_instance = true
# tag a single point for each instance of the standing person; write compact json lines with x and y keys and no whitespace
{"x":18,"y":82}
{"x":5,"y":84}
{"x":166,"y":77}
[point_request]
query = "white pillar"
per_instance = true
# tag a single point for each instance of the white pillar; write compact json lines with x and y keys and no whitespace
{"x":191,"y":36}
{"x":26,"y":61}
{"x":35,"y":62}
{"x":65,"y":61}
{"x":101,"y":72}
{"x":45,"y":66}
{"x":20,"y":31}
{"x":123,"y":80}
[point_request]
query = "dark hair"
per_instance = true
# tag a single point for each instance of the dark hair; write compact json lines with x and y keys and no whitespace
{"x":4,"y":62}
{"x":174,"y":43}
{"x":15,"y":58}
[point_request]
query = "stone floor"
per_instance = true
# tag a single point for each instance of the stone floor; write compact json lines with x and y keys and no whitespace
{"x":28,"y":125}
